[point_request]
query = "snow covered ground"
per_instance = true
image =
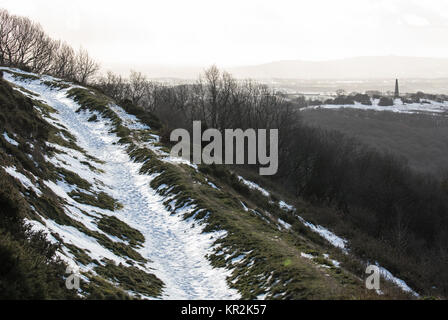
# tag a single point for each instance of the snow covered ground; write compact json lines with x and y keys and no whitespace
{"x":26,"y":182}
{"x":10,"y":140}
{"x":175,"y":248}
{"x":386,"y":274}
{"x":398,"y":107}
{"x":336,"y":241}
{"x":254,"y":186}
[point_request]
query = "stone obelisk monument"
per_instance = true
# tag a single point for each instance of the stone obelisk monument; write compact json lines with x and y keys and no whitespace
{"x":397,"y":91}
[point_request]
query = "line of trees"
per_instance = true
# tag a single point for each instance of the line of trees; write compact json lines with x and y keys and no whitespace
{"x":216,"y":99}
{"x":24,"y":44}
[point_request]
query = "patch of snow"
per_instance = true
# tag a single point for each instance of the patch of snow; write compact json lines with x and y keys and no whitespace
{"x":386,"y":274}
{"x":307,"y":256}
{"x":155,"y":137}
{"x":379,"y":292}
{"x":129,"y":121}
{"x":238,"y":259}
{"x":10,"y":140}
{"x":24,"y":180}
{"x":262,"y":296}
{"x":90,"y":245}
{"x":178,"y":160}
{"x":260,"y":215}
{"x":284,"y":224}
{"x":37,"y":226}
{"x":254,"y":186}
{"x":283,"y":205}
{"x":211,"y":184}
{"x":64,"y":254}
{"x":335,"y":263}
{"x":327,"y":234}
{"x":398,"y":107}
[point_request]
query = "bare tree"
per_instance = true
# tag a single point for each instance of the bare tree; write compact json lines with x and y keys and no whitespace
{"x":113,"y":85}
{"x":86,"y":67}
{"x":138,"y":83}
{"x":43,"y":54}
{"x":6,"y":36}
{"x":24,"y":44}
{"x":64,"y":62}
{"x":212,"y":82}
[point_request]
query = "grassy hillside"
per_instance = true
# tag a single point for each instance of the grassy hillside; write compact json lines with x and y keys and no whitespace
{"x":31,"y":264}
{"x":268,"y":250}
{"x":30,"y":268}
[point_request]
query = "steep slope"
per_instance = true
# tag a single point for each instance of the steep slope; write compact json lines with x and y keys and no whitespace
{"x":139,"y":223}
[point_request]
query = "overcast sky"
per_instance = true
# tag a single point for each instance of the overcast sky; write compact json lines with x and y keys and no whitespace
{"x":239,"y":32}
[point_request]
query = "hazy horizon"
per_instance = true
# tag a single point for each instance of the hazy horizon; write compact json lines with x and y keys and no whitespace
{"x":385,"y":67}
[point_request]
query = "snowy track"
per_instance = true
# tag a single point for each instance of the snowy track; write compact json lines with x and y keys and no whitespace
{"x":176,"y":250}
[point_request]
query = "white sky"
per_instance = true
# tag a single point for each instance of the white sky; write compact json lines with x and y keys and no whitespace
{"x":239,"y":32}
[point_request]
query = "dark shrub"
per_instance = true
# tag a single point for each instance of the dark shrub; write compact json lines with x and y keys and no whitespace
{"x":363,"y":99}
{"x":386,"y":102}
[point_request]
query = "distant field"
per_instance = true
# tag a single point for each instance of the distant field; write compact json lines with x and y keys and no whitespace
{"x":421,"y":139}
{"x":436,"y":86}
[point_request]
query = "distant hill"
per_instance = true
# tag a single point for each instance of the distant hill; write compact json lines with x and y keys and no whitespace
{"x":156,"y":71}
{"x":352,"y":68}
{"x":365,"y":68}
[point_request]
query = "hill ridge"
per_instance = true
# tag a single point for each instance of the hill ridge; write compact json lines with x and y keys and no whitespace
{"x":230,"y":240}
